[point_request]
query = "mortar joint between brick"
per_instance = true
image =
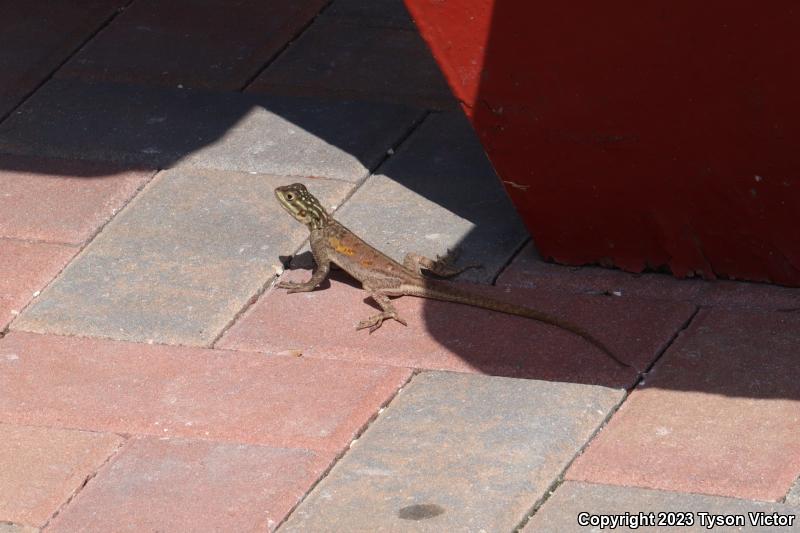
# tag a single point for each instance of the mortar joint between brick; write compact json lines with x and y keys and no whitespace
{"x":794,"y":486}
{"x":344,"y":451}
{"x":513,"y":255}
{"x":643,"y":375}
{"x":86,"y":481}
{"x":80,"y":248}
{"x":412,"y":128}
{"x":559,"y":479}
{"x":268,"y":284}
{"x":277,"y":54}
{"x":72,"y":54}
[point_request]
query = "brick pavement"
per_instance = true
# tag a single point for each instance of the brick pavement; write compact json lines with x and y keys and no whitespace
{"x":152,"y":379}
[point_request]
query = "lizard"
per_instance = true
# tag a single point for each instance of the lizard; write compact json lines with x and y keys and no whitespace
{"x":383,"y":277}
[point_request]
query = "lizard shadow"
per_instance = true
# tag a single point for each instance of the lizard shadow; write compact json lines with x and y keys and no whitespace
{"x":305,"y":261}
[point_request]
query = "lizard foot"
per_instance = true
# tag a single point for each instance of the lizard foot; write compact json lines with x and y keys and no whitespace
{"x":295,"y":287}
{"x":375,"y":321}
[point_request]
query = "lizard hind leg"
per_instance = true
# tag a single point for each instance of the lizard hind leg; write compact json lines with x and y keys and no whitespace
{"x":387,"y":311}
{"x":442,"y":266}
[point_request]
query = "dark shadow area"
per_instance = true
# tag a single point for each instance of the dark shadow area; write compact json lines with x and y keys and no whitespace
{"x":154,"y":127}
{"x":37,"y":37}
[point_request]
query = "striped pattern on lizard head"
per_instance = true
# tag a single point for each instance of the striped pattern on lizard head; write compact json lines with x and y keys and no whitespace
{"x":302,"y":205}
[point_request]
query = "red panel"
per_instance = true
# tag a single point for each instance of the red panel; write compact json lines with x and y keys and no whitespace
{"x":638,"y":134}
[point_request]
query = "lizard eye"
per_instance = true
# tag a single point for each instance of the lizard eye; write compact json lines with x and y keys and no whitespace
{"x":290,"y":196}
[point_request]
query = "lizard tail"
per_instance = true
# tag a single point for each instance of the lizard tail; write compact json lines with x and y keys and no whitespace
{"x":447,"y":292}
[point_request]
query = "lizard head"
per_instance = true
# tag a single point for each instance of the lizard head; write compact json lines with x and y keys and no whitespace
{"x":302,"y":205}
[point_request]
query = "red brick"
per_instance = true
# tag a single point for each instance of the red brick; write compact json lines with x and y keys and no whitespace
{"x":751,"y":296}
{"x":456,"y":337}
{"x":191,"y":485}
{"x":176,"y":391}
{"x":61,"y":200}
{"x":40,"y":468}
{"x":529,"y":271}
{"x":24,"y":269}
{"x":212,"y":44}
{"x":718,"y":415}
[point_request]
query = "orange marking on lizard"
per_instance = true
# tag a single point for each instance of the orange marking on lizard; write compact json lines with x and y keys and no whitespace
{"x":340,"y":247}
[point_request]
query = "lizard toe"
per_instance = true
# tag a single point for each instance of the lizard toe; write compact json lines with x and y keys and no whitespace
{"x":295,"y":287}
{"x":366,"y":323}
{"x":374,"y":322}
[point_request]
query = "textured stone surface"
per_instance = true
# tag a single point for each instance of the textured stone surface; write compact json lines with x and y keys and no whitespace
{"x":191,"y":485}
{"x":178,"y":264}
{"x":528,"y":270}
{"x":170,"y":391}
{"x":339,"y":56}
{"x":40,"y":468}
{"x":386,"y":13}
{"x":25,"y":269}
{"x":8,"y":527}
{"x":793,"y":497}
{"x":755,"y":296}
{"x":560,"y":512}
{"x":456,"y":337}
{"x":718,"y":414}
{"x":61,"y":200}
{"x":438,"y":192}
{"x":206,"y":44}
{"x":465,"y":453}
{"x":158,"y":127}
{"x":445,"y":148}
{"x":37,"y":35}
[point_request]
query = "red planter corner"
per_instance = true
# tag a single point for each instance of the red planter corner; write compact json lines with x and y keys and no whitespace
{"x":637,"y":134}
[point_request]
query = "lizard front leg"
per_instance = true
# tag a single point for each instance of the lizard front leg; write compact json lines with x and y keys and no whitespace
{"x":375,"y":321}
{"x":442,"y":266}
{"x":322,"y":266}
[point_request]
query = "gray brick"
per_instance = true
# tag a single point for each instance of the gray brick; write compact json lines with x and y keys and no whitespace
{"x":444,"y":147}
{"x":456,"y":452}
{"x":160,"y":127}
{"x":179,"y":262}
{"x":375,"y":13}
{"x":8,"y":527}
{"x":793,"y":498}
{"x":338,"y":58}
{"x":438,"y":192}
{"x":560,"y":512}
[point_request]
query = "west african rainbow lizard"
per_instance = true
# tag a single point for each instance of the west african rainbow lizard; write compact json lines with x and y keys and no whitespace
{"x":382,"y":277}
